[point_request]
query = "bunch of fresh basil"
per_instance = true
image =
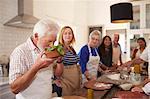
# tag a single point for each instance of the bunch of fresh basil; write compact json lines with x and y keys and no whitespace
{"x":58,"y":47}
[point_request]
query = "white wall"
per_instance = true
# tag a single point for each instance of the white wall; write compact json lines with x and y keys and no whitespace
{"x":10,"y":37}
{"x":67,"y":12}
{"x":99,"y":14}
{"x":77,"y":13}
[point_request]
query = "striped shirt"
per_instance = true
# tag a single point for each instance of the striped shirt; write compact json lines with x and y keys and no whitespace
{"x":70,"y":58}
{"x":21,"y":59}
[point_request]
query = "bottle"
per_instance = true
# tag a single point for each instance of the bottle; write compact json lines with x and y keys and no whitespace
{"x":90,"y":94}
{"x":137,"y":68}
{"x":135,"y":75}
{"x":132,"y":75}
{"x":124,"y":75}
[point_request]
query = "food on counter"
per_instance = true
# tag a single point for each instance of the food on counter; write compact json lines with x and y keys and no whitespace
{"x":114,"y":76}
{"x":98,"y":84}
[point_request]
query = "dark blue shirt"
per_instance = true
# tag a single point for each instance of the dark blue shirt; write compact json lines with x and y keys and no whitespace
{"x":84,"y":56}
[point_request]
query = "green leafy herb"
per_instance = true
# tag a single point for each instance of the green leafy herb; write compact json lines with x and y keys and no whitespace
{"x":59,"y":49}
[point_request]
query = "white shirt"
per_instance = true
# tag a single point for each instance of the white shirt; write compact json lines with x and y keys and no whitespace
{"x":146,"y":88}
{"x":146,"y":57}
{"x":116,"y":54}
{"x":21,"y":60}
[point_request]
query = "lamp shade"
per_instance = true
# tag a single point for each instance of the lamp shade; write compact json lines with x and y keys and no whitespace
{"x":121,"y":13}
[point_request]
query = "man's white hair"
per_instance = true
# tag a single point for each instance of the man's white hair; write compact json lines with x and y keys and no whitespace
{"x":45,"y":26}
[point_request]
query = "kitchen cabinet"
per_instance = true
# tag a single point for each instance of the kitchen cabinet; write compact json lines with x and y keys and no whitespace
{"x":148,"y":15}
{"x":5,"y":92}
{"x":141,"y":15}
{"x":135,"y":24}
{"x":140,"y":26}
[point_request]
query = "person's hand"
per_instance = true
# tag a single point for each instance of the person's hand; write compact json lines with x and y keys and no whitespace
{"x":127,"y":64}
{"x":120,"y":68}
{"x":93,"y":78}
{"x":137,"y":89}
{"x":87,"y":75}
{"x":114,"y":65}
{"x":107,"y":71}
{"x":113,"y":68}
{"x":42,"y":61}
{"x":59,"y":60}
{"x":58,"y":82}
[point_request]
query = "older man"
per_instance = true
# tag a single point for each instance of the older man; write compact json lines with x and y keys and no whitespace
{"x":116,"y":51}
{"x":30,"y":73}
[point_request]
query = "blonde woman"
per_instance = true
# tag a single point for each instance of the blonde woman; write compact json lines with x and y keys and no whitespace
{"x":71,"y":74}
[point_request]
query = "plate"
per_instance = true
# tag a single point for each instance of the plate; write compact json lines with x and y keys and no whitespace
{"x":95,"y":85}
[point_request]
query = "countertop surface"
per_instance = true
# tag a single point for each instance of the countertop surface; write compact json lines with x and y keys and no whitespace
{"x":4,"y":80}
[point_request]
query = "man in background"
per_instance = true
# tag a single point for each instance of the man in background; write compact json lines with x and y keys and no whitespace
{"x":116,"y":51}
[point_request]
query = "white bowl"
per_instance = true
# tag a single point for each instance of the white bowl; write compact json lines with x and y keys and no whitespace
{"x":126,"y":86}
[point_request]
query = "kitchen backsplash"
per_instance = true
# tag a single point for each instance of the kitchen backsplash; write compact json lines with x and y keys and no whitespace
{"x":10,"y":37}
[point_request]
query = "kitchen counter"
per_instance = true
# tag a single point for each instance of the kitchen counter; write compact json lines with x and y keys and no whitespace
{"x":4,"y":81}
{"x":5,"y":91}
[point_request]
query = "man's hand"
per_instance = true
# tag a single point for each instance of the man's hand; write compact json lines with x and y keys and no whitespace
{"x":137,"y":89}
{"x":127,"y":64}
{"x":59,"y":60}
{"x":43,"y":62}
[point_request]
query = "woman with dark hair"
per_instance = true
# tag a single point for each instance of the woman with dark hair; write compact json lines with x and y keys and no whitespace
{"x":105,"y":53}
{"x":138,"y":51}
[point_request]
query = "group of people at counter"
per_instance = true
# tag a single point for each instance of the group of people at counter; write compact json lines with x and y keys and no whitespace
{"x":33,"y":76}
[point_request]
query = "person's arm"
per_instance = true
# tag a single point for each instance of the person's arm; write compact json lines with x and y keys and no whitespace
{"x":144,"y":82}
{"x":133,"y":62}
{"x":120,"y":59}
{"x":134,"y":53}
{"x":84,"y":57}
{"x":24,"y":80}
{"x":144,"y":87}
{"x":137,"y":61}
{"x":59,"y":68}
{"x":103,"y":67}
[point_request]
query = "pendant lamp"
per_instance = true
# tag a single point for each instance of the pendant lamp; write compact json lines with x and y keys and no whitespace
{"x":121,"y":12}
